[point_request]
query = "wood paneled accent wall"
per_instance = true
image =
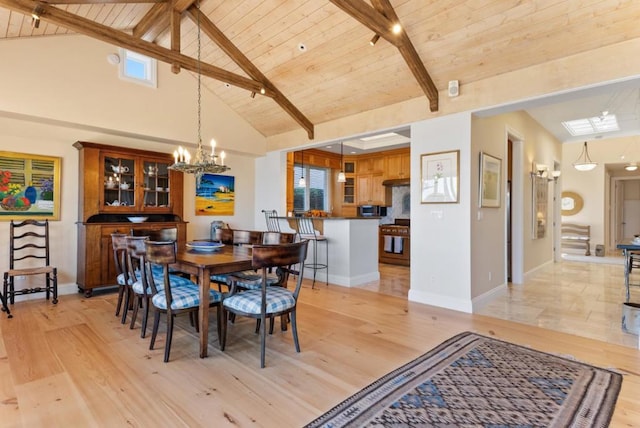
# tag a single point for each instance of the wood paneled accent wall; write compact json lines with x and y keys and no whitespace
{"x":370,"y":171}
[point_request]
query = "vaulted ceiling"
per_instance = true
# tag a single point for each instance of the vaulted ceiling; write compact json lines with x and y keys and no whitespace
{"x":313,"y":57}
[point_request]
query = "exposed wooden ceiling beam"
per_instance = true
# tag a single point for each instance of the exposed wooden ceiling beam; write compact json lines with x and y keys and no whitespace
{"x":383,"y":14}
{"x":118,"y":38}
{"x":157,"y":19}
{"x":100,"y":1}
{"x":175,"y":19}
{"x":370,"y":18}
{"x":152,"y":23}
{"x":214,"y":33}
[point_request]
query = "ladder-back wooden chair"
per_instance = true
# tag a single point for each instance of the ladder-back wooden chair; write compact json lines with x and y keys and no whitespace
{"x":28,"y":256}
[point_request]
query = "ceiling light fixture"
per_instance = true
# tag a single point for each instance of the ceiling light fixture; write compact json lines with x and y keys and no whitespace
{"x":396,"y":28}
{"x":341,"y":176}
{"x":35,"y":16}
{"x":374,"y":40}
{"x":202,"y":163}
{"x":584,"y":162}
{"x":302,"y":182}
{"x":631,"y":167}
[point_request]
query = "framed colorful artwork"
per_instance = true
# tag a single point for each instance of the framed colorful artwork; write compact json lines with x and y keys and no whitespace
{"x":215,"y":195}
{"x":29,"y":186}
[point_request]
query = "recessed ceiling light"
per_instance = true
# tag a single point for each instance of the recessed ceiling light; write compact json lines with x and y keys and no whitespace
{"x":396,"y":28}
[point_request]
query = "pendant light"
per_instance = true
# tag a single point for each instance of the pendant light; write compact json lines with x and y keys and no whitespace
{"x":341,"y":176}
{"x":584,"y":162}
{"x":203,"y":161}
{"x":302,"y":182}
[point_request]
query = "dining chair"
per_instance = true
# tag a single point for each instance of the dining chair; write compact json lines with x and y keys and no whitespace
{"x":250,"y":279}
{"x":174,"y":295}
{"x":306,"y":230}
{"x":140,"y":289}
{"x":124,"y":281}
{"x":29,"y":256}
{"x":269,"y":300}
{"x":235,"y":237}
{"x":164,"y":234}
{"x":271,"y":217}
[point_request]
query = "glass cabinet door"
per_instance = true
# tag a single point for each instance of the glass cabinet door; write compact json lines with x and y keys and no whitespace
{"x":156,"y":184}
{"x":119,"y":182}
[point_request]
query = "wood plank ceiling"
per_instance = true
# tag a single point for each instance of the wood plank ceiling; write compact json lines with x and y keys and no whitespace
{"x":338,"y":73}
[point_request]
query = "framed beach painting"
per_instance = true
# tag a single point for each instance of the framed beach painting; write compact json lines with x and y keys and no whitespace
{"x":440,"y":177}
{"x":29,"y":186}
{"x":490,"y":179}
{"x":215,"y":195}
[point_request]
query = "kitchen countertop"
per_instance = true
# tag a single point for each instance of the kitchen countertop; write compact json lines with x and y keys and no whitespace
{"x":333,"y":218}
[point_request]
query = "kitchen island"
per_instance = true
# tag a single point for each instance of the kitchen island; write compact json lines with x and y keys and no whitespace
{"x":353,"y":248}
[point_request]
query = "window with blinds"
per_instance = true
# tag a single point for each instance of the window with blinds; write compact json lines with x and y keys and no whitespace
{"x":314,"y":195}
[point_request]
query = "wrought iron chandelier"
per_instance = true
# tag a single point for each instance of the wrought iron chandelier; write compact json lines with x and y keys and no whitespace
{"x":202,"y":162}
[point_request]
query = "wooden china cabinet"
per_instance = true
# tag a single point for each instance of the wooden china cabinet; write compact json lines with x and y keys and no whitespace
{"x":116,"y":183}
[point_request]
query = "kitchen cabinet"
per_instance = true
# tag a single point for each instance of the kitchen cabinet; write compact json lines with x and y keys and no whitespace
{"x":398,"y":166}
{"x":116,"y":183}
{"x":349,"y":186}
{"x":370,"y":191}
{"x":370,"y":164}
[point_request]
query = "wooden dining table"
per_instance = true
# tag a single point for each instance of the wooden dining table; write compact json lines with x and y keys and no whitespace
{"x":202,"y":264}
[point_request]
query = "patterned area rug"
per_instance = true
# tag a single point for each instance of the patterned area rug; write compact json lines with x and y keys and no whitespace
{"x":476,"y":381}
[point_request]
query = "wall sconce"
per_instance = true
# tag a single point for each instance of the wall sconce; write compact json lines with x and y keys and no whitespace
{"x":541,"y":171}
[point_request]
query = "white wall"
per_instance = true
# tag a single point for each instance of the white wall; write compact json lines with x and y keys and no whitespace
{"x":440,"y":233}
{"x":55,"y":79}
{"x":488,"y":228}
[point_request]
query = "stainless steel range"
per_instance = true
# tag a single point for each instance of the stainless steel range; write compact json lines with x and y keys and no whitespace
{"x":394,"y":244}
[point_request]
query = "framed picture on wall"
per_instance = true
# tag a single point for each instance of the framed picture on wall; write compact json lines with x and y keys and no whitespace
{"x":490,"y":181}
{"x":440,"y":177}
{"x":216,"y":195}
{"x":29,"y":186}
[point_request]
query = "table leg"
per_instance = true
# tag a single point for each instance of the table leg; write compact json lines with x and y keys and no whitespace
{"x":627,"y":268}
{"x":204,"y":282}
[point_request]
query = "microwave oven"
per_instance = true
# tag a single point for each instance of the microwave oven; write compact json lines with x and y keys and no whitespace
{"x":371,"y":211}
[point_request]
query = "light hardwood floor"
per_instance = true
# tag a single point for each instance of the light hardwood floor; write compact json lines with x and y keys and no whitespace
{"x":74,"y":364}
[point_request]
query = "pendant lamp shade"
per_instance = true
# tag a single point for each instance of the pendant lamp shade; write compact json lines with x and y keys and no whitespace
{"x":584,"y":162}
{"x":341,"y":176}
{"x":302,"y":182}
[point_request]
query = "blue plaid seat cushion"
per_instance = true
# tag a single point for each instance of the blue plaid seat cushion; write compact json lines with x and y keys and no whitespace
{"x":158,"y":278}
{"x":184,"y":296}
{"x":248,"y":302}
{"x":120,"y":279}
{"x":252,"y":280}
{"x":156,"y":269}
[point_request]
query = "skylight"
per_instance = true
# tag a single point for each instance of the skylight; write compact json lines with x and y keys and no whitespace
{"x":592,"y":125}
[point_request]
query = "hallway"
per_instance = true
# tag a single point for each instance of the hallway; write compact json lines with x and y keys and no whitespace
{"x":578,"y":298}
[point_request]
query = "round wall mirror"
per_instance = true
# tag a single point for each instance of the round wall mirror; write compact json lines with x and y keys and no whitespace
{"x":571,"y":203}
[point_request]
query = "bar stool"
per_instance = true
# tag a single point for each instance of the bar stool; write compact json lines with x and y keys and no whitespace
{"x":271,"y":217}
{"x":305,"y":230}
